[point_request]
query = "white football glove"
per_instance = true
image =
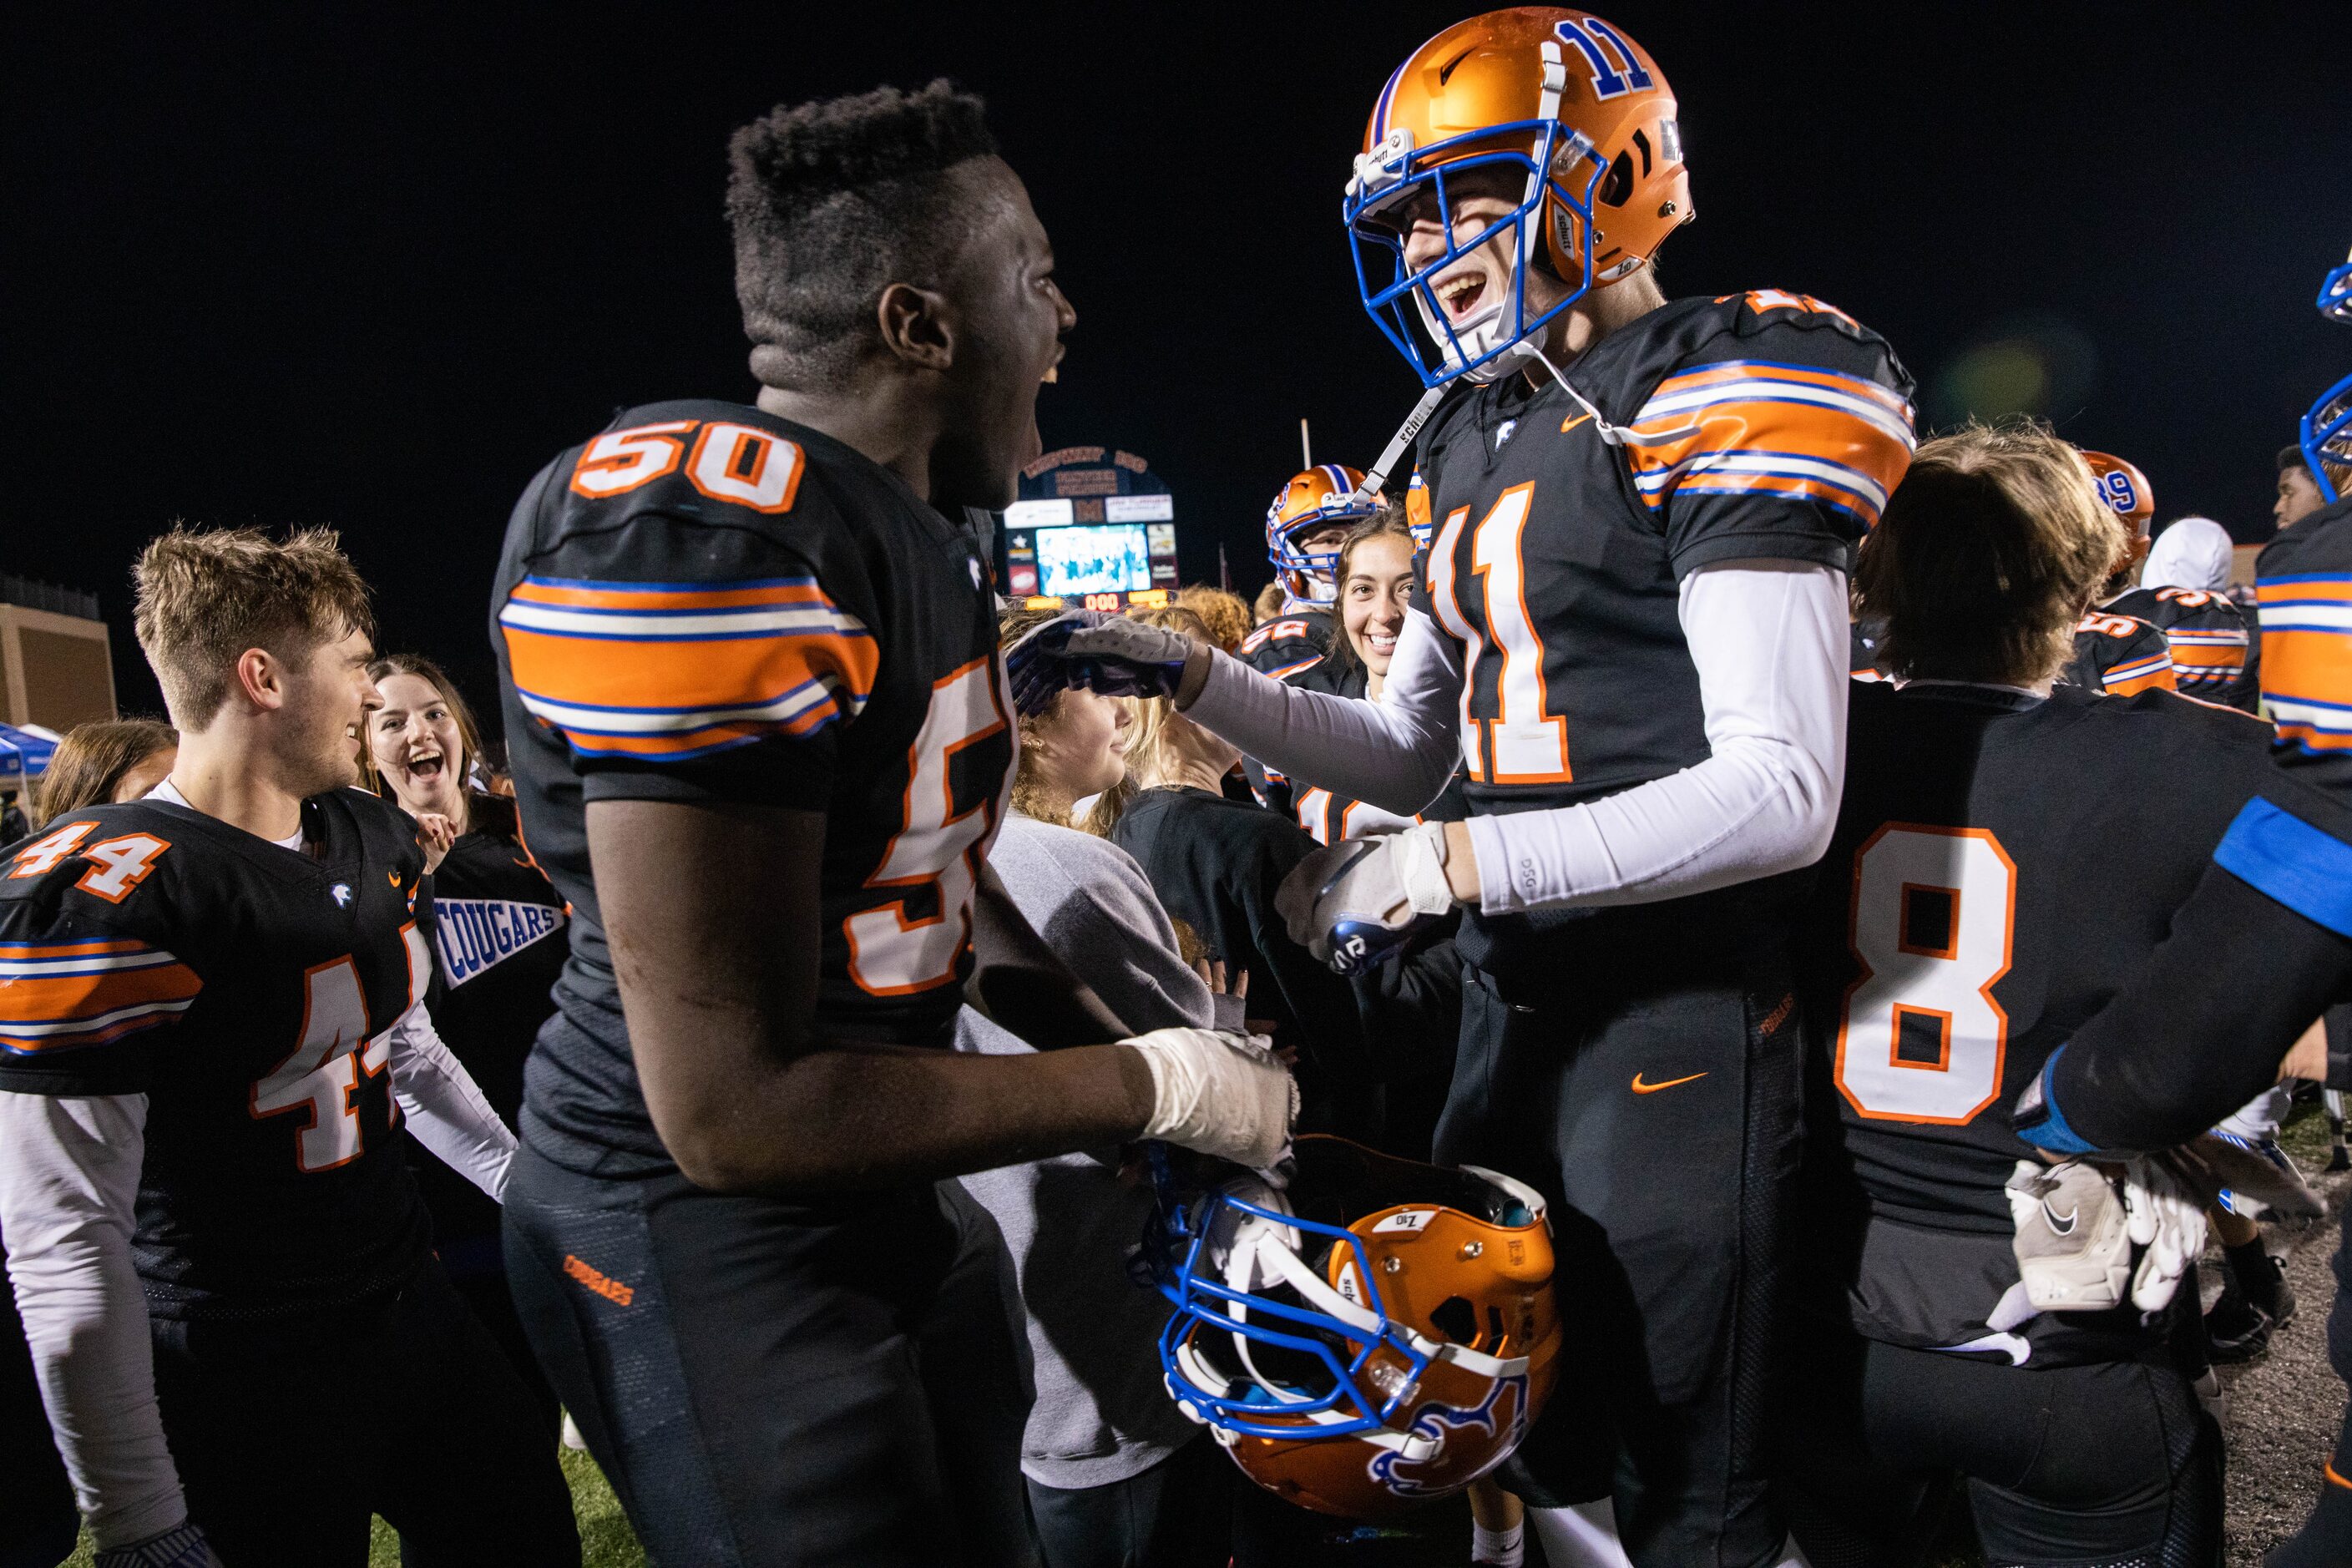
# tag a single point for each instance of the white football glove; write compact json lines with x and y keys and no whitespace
{"x":2072,"y":1242}
{"x":1353,"y":904}
{"x":1219,"y":1094}
{"x":2167,"y":1218}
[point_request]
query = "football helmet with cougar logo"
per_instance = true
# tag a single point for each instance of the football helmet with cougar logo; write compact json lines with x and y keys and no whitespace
{"x":1374,"y":1336}
{"x":1313,"y":498}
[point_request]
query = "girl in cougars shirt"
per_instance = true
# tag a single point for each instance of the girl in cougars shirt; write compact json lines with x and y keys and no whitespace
{"x":494,"y":914}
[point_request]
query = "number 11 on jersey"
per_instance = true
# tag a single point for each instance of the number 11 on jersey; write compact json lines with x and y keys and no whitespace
{"x":1523,"y":743}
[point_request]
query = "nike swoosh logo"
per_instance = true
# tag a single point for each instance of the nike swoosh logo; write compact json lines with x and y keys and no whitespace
{"x":1568,"y":425}
{"x":1641,"y":1087}
{"x":2063,"y":1226}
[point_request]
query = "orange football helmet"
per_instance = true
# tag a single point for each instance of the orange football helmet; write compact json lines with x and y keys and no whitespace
{"x":2125,"y":491}
{"x":1375,"y":1335}
{"x":1312,"y":499}
{"x":1560,"y":98}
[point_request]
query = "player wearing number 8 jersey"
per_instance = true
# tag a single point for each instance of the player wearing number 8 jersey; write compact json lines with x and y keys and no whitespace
{"x":1631,"y":635}
{"x":1969,"y":912}
{"x":211,"y":1039}
{"x":761,"y":744}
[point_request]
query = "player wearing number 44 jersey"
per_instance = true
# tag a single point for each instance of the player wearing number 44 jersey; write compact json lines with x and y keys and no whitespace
{"x":761,"y":744}
{"x":1631,"y":635}
{"x":211,"y":1041}
{"x":1971,"y":911}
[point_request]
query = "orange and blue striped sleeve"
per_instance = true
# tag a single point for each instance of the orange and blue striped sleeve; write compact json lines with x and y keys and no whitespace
{"x":1750,"y":456}
{"x":668,"y":672}
{"x":2307,"y":666}
{"x":60,"y":996}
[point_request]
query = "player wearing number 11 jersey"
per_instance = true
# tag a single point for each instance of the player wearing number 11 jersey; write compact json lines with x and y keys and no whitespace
{"x":1970,"y":913}
{"x":1631,"y":635}
{"x":213,"y":1048}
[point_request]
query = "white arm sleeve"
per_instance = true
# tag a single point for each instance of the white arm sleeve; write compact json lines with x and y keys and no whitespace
{"x":69,"y":1188}
{"x":1397,"y":753}
{"x":1770,"y":641}
{"x":446,"y":1111}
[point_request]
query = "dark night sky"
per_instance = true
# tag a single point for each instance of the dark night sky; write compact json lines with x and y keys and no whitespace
{"x":372,"y":268}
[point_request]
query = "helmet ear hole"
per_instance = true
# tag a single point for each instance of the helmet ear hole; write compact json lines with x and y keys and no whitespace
{"x":1620,"y":183}
{"x":1456,"y":1318}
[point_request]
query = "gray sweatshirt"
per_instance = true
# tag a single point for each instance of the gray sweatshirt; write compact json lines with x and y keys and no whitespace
{"x":1102,"y":1413}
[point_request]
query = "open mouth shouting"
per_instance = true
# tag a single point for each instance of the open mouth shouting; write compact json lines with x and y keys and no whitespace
{"x":1462,"y":294}
{"x":425,"y":764}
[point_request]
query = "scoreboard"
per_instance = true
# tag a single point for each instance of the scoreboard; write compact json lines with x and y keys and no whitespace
{"x":1093,"y":527}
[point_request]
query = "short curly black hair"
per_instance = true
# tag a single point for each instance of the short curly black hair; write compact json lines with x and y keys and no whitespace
{"x":831,"y":202}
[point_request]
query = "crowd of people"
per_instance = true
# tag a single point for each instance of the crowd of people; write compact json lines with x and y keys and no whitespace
{"x":1617,"y":988}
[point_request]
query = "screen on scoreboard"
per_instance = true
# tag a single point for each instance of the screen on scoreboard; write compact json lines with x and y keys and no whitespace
{"x":1093,"y":558}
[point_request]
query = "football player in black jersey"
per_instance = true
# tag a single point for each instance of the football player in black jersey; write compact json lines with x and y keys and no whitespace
{"x":2117,"y":651}
{"x":2205,"y":634}
{"x":2265,"y":944}
{"x":1949,"y":944}
{"x":761,"y":744}
{"x":1632,"y":630}
{"x":1304,"y":524}
{"x":211,"y":1036}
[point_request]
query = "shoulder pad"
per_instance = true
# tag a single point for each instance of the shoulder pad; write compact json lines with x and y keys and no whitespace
{"x":106,"y":852}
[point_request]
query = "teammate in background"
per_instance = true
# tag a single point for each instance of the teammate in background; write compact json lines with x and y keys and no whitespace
{"x":212,"y":1037}
{"x":498,"y":948}
{"x":1267,"y":605}
{"x":1944,"y":943}
{"x":1631,"y":629}
{"x":2191,"y":1036}
{"x":761,"y":745}
{"x":1303,"y":526}
{"x":106,"y":763}
{"x":2298,"y":491}
{"x":2115,"y":651}
{"x":2185,"y":591}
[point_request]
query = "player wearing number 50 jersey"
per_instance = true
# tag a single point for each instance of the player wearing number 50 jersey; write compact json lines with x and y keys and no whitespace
{"x":1969,"y":913}
{"x":761,"y":744}
{"x":211,"y":1040}
{"x":1632,"y":636}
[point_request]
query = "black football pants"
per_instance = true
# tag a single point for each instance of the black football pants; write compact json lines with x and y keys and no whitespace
{"x":288,"y":1433}
{"x":1650,"y":1091}
{"x":2069,"y":1467}
{"x":779,"y":1385}
{"x":38,"y":1517}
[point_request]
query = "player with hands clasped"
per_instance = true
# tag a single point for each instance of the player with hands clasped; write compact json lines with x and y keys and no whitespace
{"x":762,"y":743}
{"x":212,"y":1037}
{"x":1630,"y":633}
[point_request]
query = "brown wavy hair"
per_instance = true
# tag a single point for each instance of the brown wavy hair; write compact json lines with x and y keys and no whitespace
{"x":486,"y":812}
{"x":91,"y":760}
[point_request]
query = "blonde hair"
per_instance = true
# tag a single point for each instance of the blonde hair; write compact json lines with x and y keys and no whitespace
{"x":91,"y":760}
{"x":1987,"y":555}
{"x":1147,"y":745}
{"x":1227,"y":616}
{"x":206,"y":596}
{"x":1029,"y":796}
{"x":1269,"y":602}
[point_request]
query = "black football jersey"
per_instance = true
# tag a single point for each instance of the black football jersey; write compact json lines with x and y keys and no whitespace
{"x":2303,"y":586}
{"x":1328,"y":819}
{"x":247,"y":991}
{"x":498,"y":928}
{"x":1293,"y":642}
{"x":2120,"y":655}
{"x":2212,"y":652}
{"x":1862,"y":650}
{"x":1764,"y":426}
{"x":2001,"y":867}
{"x":707,"y":604}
